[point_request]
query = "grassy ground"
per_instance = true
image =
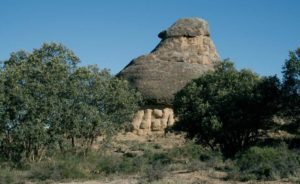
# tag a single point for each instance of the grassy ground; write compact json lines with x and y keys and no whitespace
{"x":158,"y":159}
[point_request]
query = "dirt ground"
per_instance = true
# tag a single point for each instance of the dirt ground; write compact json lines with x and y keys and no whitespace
{"x":199,"y":177}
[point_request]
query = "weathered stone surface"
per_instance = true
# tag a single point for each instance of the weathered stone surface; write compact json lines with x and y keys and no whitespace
{"x":157,"y":113}
{"x":184,"y":53}
{"x":146,"y":122}
{"x":166,"y":115}
{"x":189,"y":27}
{"x":164,"y":123}
{"x":137,"y":120}
{"x":171,"y":120}
{"x":155,"y":125}
{"x":149,"y":120}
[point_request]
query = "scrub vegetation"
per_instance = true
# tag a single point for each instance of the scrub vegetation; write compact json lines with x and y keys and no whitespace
{"x":60,"y":122}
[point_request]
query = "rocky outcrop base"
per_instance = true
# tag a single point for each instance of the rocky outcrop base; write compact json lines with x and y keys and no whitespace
{"x":152,"y":120}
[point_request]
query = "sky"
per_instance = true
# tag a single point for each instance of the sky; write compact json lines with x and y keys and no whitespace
{"x":254,"y":34}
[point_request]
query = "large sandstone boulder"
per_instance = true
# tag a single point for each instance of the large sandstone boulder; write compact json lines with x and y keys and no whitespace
{"x":185,"y":52}
{"x":151,"y":120}
{"x":189,"y":27}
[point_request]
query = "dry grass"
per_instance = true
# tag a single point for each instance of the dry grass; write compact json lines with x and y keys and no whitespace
{"x":131,"y":159}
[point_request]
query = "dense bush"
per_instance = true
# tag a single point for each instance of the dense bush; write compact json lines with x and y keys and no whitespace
{"x":47,"y":102}
{"x":267,"y":163}
{"x":227,"y":108}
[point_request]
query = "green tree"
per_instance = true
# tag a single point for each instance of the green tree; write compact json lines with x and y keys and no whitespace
{"x":99,"y":104}
{"x":226,"y":108}
{"x":47,"y":102}
{"x":291,"y":90}
{"x":33,"y":83}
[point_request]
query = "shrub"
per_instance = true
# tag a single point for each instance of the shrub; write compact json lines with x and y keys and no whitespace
{"x":154,"y":158}
{"x":126,"y":164}
{"x":60,"y":168}
{"x":6,"y":176}
{"x":154,"y":172}
{"x":268,"y":163}
{"x":118,"y":165}
{"x":193,"y":151}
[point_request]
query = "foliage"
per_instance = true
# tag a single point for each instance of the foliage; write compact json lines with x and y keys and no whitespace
{"x":291,"y":72}
{"x":46,"y":102}
{"x":153,"y":164}
{"x":268,"y":163}
{"x":154,"y":172}
{"x":52,"y":111}
{"x":194,"y":151}
{"x":227,"y":108}
{"x":291,"y":90}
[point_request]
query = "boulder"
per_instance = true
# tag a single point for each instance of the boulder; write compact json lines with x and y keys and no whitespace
{"x":157,"y":113}
{"x":189,"y":27}
{"x":146,"y":122}
{"x":137,"y":120}
{"x":156,"y":125}
{"x":185,"y":52}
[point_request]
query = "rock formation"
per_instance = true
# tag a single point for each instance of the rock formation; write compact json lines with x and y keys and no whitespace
{"x":185,"y":52}
{"x":152,"y":120}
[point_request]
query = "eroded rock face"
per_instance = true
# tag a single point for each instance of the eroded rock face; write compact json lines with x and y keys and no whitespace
{"x":185,"y":52}
{"x":148,"y":121}
{"x":189,"y":27}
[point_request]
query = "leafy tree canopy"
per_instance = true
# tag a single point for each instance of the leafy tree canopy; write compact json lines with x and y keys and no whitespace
{"x":291,"y":91}
{"x":48,"y":102}
{"x":226,"y":108}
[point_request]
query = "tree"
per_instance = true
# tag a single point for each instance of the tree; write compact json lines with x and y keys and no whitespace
{"x":291,"y":90}
{"x":33,"y":83}
{"x":291,"y":74}
{"x":99,"y":104}
{"x":226,"y":108}
{"x":47,"y":102}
